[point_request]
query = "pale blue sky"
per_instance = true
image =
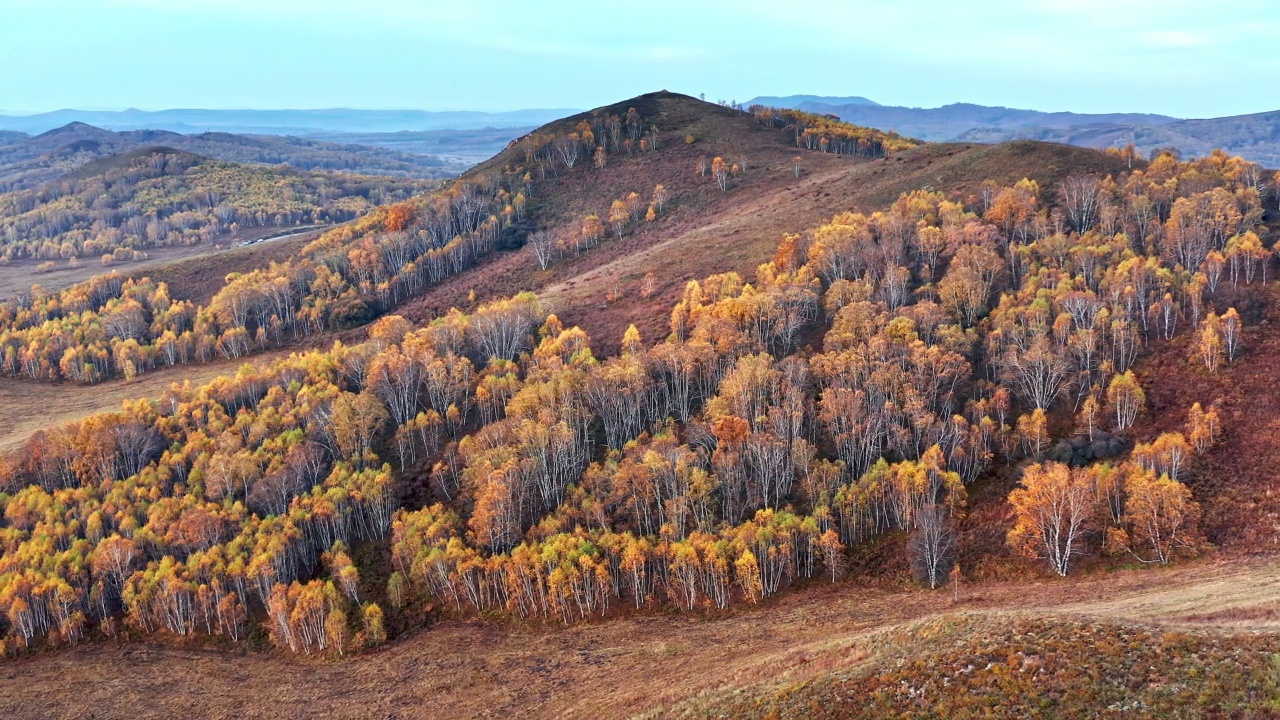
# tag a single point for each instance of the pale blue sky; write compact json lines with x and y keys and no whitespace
{"x":1179,"y":57}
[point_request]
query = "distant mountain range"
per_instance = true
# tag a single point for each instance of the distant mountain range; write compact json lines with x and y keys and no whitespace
{"x":281,"y":122}
{"x":794,"y":101}
{"x":398,"y":142}
{"x":1255,"y":137}
{"x":950,"y":122}
{"x":26,"y":161}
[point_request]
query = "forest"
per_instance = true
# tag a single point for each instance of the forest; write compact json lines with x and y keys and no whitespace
{"x":859,"y":385}
{"x":158,"y":197}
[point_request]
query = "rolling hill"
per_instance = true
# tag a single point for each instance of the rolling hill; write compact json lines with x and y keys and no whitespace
{"x":673,"y":410}
{"x":27,"y":161}
{"x":279,"y":122}
{"x":158,"y":203}
{"x":1255,"y":137}
{"x":708,"y":231}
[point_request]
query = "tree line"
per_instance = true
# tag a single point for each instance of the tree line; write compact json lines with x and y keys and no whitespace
{"x":827,"y":133}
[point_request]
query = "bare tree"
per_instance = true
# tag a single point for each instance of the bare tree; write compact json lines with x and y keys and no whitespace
{"x":1082,"y":199}
{"x":1039,"y":374}
{"x":720,"y":169}
{"x":542,"y":244}
{"x":137,"y":446}
{"x":931,"y":548}
{"x":570,"y":149}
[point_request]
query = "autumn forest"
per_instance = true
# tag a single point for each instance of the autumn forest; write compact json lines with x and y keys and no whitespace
{"x":955,"y":380}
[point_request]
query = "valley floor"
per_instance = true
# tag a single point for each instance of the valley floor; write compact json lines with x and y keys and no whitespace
{"x":646,"y":664}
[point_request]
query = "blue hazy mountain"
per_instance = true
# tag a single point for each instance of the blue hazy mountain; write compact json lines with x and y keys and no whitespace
{"x":280,"y":122}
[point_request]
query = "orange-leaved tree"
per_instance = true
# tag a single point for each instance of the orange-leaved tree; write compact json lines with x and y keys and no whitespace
{"x":1053,"y":507}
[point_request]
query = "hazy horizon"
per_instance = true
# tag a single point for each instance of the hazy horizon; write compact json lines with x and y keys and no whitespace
{"x":500,"y":111}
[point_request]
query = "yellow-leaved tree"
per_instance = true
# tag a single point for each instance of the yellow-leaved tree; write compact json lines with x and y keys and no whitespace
{"x":1053,"y":507}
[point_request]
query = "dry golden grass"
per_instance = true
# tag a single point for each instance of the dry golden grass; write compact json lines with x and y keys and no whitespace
{"x":614,"y":668}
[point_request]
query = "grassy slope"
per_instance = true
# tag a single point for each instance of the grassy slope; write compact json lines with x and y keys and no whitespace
{"x":199,"y":278}
{"x":672,"y":664}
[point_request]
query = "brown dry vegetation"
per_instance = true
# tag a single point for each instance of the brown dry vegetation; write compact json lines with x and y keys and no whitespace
{"x":630,"y":666}
{"x":194,"y":272}
{"x":1237,"y":482}
{"x":198,"y":278}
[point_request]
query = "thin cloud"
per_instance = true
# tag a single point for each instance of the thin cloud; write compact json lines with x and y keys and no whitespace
{"x":1174,"y":39}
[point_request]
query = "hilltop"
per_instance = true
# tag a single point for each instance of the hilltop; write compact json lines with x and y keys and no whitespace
{"x":707,"y":231}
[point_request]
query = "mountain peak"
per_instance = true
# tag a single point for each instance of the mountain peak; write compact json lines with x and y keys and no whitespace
{"x":74,"y":128}
{"x":795,"y":101}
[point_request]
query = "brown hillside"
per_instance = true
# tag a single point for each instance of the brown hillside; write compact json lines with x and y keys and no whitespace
{"x":706,"y":231}
{"x":199,"y":278}
{"x":1237,"y":482}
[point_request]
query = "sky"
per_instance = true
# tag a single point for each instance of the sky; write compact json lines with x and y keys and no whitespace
{"x":1187,"y":58}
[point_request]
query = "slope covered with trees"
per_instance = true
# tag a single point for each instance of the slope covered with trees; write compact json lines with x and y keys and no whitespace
{"x":157,"y":197}
{"x":875,"y":370}
{"x":357,"y":272}
{"x":969,"y":384}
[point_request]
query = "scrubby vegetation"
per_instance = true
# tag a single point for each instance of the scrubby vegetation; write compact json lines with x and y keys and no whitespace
{"x":972,"y":667}
{"x":159,"y":197}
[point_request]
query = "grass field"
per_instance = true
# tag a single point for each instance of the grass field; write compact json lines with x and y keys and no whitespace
{"x":661,"y":665}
